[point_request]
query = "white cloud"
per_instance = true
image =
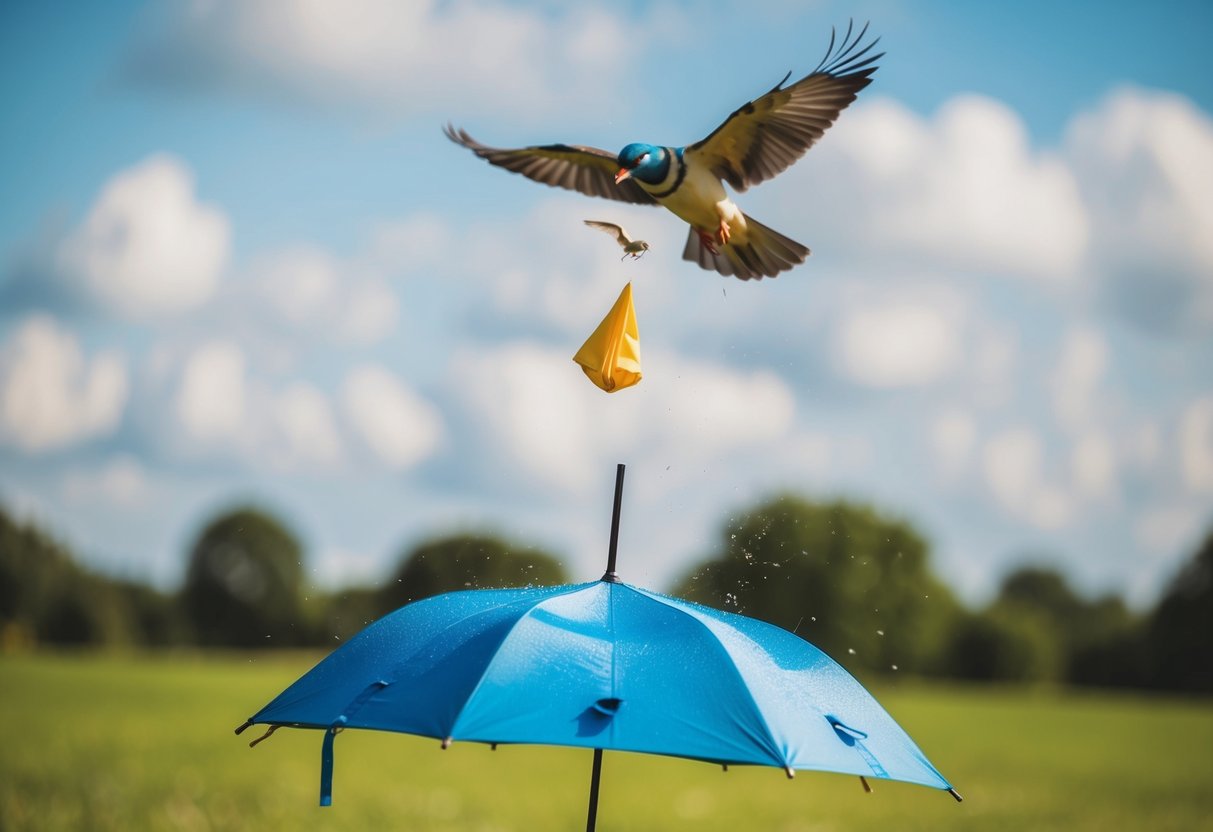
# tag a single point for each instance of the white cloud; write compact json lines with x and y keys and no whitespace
{"x":1196,"y":445}
{"x":962,"y":190}
{"x":1093,"y":465}
{"x":534,"y":407}
{"x":211,"y":400}
{"x":327,"y":297}
{"x":896,"y":345}
{"x":50,"y":395}
{"x":121,"y":481}
{"x":224,"y":409}
{"x":307,"y":429}
{"x":401,"y":427}
{"x":1013,"y":462}
{"x":991,"y":363}
{"x":953,"y":436}
{"x":1165,"y":530}
{"x":531,"y":402}
{"x":713,"y":408}
{"x":1143,"y":160}
{"x":398,"y":57}
{"x":1075,"y":379}
{"x":147,"y":246}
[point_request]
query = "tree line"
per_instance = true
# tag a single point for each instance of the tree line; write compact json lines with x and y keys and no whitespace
{"x":854,"y":581}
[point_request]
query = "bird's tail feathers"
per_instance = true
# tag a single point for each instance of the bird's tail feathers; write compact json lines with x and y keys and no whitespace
{"x":765,"y":253}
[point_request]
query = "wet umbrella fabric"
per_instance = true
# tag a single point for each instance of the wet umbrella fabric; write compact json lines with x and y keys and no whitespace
{"x":603,"y":665}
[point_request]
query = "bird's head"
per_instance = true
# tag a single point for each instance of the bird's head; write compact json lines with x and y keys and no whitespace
{"x":643,"y":161}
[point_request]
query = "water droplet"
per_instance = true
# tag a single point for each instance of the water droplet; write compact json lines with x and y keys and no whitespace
{"x":851,"y":650}
{"x":880,"y":632}
{"x":893,"y":666}
{"x":749,"y":555}
{"x":812,"y":618}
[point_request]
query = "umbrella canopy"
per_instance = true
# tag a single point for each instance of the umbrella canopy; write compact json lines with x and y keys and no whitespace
{"x":602,"y":665}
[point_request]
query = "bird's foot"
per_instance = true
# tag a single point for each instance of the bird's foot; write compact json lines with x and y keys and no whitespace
{"x":709,"y":242}
{"x":724,"y":233}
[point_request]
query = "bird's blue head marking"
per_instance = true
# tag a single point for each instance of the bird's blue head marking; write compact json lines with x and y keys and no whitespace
{"x":646,"y":162}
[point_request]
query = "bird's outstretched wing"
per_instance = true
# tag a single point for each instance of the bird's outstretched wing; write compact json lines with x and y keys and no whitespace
{"x":765,"y":136}
{"x":611,"y":228}
{"x":586,"y":169}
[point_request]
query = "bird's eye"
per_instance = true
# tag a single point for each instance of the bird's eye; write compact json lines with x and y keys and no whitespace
{"x":644,"y":157}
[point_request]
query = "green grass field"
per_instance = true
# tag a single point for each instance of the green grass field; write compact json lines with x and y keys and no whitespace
{"x":138,"y":742}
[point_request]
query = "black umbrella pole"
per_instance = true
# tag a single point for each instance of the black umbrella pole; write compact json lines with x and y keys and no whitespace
{"x":610,"y":573}
{"x":592,"y":818}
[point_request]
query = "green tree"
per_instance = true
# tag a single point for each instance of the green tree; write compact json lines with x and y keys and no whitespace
{"x":1005,"y":644}
{"x":1180,"y":636}
{"x":244,"y":582}
{"x":1093,"y":642}
{"x":46,"y":597}
{"x":852,"y":581}
{"x":467,"y":561}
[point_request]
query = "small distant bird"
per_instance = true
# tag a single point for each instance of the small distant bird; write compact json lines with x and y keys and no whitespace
{"x":759,"y":140}
{"x":633,"y":247}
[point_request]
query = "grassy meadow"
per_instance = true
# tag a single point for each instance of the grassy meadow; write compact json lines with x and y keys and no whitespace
{"x":143,"y":742}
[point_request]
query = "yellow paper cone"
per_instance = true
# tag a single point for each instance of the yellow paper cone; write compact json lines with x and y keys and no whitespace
{"x":611,"y":356}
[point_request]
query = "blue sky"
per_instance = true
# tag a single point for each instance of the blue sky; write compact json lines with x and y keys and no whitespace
{"x":238,"y":260}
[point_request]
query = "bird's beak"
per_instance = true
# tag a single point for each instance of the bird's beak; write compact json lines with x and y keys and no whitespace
{"x":623,"y":174}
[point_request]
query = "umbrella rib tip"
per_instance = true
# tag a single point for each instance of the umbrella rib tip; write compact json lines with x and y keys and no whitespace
{"x":955,"y":794}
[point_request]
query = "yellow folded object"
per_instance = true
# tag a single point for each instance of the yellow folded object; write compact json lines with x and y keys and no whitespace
{"x":611,"y":356}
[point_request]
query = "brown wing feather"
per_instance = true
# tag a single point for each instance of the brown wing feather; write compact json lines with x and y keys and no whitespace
{"x":587,"y":170}
{"x":765,"y":136}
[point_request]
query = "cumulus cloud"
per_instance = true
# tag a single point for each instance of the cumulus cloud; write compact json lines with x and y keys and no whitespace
{"x":1162,"y":530}
{"x":899,"y":344}
{"x":223,"y":408}
{"x":397,"y":424}
{"x":1142,"y":159}
{"x":1196,"y":445}
{"x":308,"y":431}
{"x":962,"y":190}
{"x":1077,"y":375}
{"x":394,"y":57}
{"x":121,"y":481}
{"x":530,"y":403}
{"x":953,"y":437}
{"x":1013,"y":462}
{"x":1093,"y":465}
{"x":211,"y":399}
{"x":148,"y":247}
{"x":311,"y":289}
{"x":51,"y":396}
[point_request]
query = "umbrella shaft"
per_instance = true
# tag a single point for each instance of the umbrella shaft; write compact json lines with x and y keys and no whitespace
{"x":614,"y":545}
{"x":592,"y":819}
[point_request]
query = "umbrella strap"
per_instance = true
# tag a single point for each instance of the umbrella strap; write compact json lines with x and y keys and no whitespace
{"x":326,"y":767}
{"x":326,"y":748}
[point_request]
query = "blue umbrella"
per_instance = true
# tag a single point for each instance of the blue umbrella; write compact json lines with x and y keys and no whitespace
{"x":601,"y":665}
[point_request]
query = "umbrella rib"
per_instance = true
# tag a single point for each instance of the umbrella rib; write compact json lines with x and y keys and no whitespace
{"x":488,"y":666}
{"x":772,"y":745}
{"x":281,"y":703}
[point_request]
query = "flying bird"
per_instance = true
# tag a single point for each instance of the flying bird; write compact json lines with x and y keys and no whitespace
{"x":636,"y":248}
{"x":759,"y":140}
